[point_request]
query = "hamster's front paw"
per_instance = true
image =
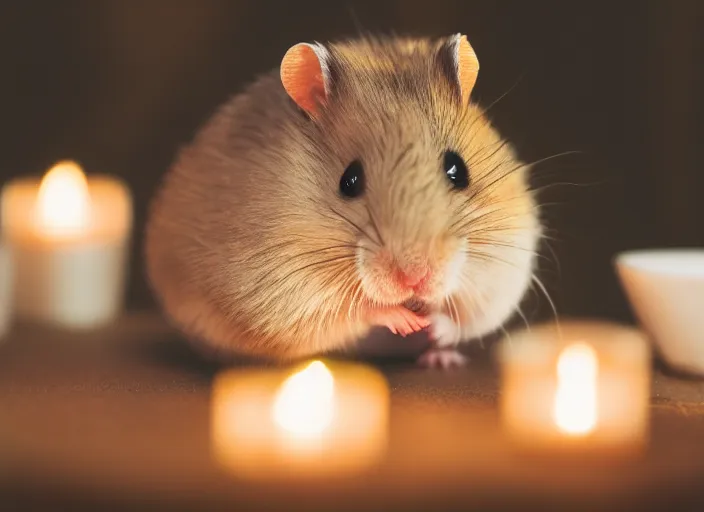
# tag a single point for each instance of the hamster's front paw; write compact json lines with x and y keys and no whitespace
{"x":399,"y":320}
{"x":442,"y":358}
{"x":444,"y":332}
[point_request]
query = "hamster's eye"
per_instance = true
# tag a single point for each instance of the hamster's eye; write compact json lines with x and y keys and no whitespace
{"x":352,"y":181}
{"x":456,"y":170}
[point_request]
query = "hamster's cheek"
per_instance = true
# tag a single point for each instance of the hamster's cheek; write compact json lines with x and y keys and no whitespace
{"x":495,"y":303}
{"x":446,"y":278}
{"x":490,"y":293}
{"x":452,"y":279}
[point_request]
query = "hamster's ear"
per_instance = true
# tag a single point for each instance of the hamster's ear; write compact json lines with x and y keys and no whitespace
{"x":460,"y":65}
{"x":305,"y":76}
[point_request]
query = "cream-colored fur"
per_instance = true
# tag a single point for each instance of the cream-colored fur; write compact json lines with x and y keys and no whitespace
{"x":251,"y":249}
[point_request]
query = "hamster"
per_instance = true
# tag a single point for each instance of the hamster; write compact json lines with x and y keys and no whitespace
{"x":356,"y":186}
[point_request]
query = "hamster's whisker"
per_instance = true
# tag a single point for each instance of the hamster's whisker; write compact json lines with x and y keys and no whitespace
{"x":450,"y":312}
{"x":268,"y":301}
{"x":477,"y":118}
{"x":356,"y":293}
{"x":507,"y":173}
{"x":456,"y":312}
{"x":494,"y":222}
{"x":548,"y":186}
{"x":502,"y":96}
{"x":482,"y":202}
{"x":348,"y":297}
{"x":545,"y":234}
{"x":446,"y":302}
{"x":556,"y":155}
{"x":542,"y":287}
{"x":490,"y":204}
{"x":484,"y":148}
{"x":271,"y":248}
{"x":555,"y":259}
{"x":354,"y":225}
{"x":351,"y":301}
{"x":375,"y":226}
{"x":520,"y":166}
{"x":498,"y":216}
{"x":483,"y":188}
{"x":345,"y":290}
{"x":471,"y":214}
{"x":502,"y":144}
{"x":497,"y":227}
{"x":528,"y":165}
{"x":490,"y":258}
{"x":523,"y":317}
{"x":306,"y":237}
{"x":546,"y":205}
{"x":475,"y":298}
{"x":287,"y":276}
{"x":490,"y":242}
{"x":358,"y":297}
{"x":320,"y":250}
{"x":509,"y":339}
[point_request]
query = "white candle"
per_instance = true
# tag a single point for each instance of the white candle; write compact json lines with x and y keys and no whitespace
{"x":323,"y":419}
{"x":69,"y":238}
{"x":583,"y":387}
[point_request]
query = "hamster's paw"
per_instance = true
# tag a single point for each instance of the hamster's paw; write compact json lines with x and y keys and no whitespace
{"x":445,"y":335}
{"x":400,"y":320}
{"x":444,"y":331}
{"x":442,"y":358}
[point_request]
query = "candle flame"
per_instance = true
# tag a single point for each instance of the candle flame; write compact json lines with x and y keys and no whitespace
{"x":63,"y":200}
{"x":304,"y":404}
{"x":575,"y":410}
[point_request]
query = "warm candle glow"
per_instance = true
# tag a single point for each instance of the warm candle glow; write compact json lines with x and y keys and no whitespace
{"x":320,"y":419}
{"x":305,"y":403}
{"x":575,"y":410}
{"x":63,"y":200}
{"x":69,"y":233}
{"x":577,"y":387}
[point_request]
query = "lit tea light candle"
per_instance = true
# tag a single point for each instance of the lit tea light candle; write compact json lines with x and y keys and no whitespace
{"x":69,"y":239}
{"x":305,"y":405}
{"x":584,"y":386}
{"x":575,"y":407}
{"x":320,"y":420}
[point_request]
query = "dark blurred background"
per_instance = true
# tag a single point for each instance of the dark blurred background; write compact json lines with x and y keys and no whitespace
{"x":119,"y":84}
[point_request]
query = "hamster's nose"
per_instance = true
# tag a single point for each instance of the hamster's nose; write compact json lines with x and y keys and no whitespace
{"x":412,"y":277}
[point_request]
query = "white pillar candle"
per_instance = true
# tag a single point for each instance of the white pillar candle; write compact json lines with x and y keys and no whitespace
{"x":69,"y":238}
{"x":324,"y":419}
{"x":584,"y":387}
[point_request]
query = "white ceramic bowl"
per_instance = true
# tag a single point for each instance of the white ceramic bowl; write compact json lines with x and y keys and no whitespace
{"x":666,"y":291}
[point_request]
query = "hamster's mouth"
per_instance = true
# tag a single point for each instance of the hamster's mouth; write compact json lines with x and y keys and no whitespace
{"x":418,"y":306}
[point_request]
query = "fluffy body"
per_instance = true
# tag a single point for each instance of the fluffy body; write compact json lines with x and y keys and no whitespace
{"x":251,"y":249}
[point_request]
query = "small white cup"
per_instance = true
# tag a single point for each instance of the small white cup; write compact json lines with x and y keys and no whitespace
{"x":666,"y":290}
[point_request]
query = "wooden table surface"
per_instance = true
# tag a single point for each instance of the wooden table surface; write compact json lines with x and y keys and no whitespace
{"x":120,"y":418}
